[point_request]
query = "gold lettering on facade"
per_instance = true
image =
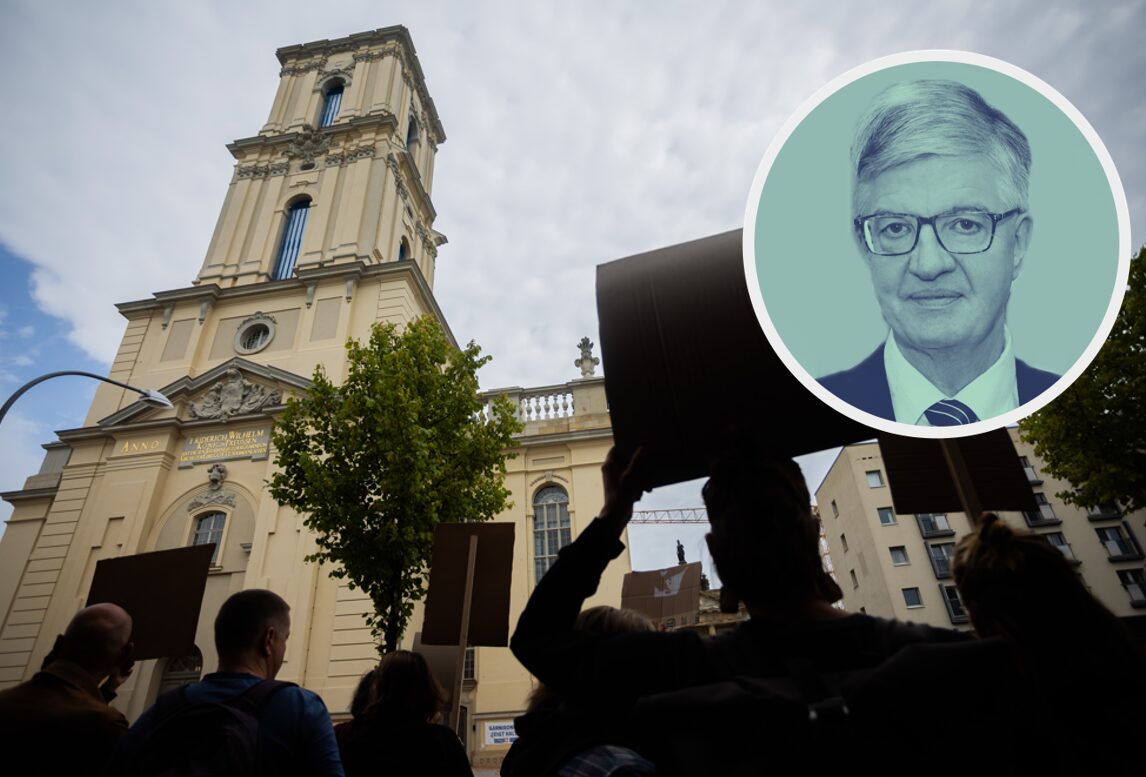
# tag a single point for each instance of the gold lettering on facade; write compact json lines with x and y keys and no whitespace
{"x":225,"y":445}
{"x":139,"y":446}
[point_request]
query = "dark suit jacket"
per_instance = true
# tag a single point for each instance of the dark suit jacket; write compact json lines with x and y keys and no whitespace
{"x":59,"y":722}
{"x":864,"y":386}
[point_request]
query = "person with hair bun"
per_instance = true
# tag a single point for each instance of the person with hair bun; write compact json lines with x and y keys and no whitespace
{"x":554,"y":732}
{"x":1081,"y":683}
{"x":398,"y":733}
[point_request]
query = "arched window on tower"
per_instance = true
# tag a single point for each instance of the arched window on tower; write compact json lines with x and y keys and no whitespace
{"x":411,"y":131}
{"x":403,"y":250}
{"x":551,"y":530}
{"x":331,"y":101}
{"x":291,"y":240}
{"x":209,"y":529}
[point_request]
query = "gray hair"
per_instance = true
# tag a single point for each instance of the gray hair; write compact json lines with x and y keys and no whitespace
{"x":915,"y":119}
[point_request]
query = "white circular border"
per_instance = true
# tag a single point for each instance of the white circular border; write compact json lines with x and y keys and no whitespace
{"x":907,"y":58}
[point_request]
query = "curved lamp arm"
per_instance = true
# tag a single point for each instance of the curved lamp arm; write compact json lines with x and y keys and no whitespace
{"x":150,"y":396}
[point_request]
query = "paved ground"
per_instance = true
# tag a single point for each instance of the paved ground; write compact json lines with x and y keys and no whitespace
{"x":485,"y":773}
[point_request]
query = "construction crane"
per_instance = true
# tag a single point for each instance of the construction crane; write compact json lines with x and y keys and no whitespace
{"x":686,"y":515}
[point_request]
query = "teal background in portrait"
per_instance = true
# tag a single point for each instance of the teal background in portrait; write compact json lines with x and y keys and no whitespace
{"x":816,"y":285}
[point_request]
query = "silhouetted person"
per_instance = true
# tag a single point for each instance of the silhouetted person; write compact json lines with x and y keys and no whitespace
{"x":765,"y":546}
{"x":59,"y":722}
{"x":1082,"y":684}
{"x":363,"y":696}
{"x":294,"y":734}
{"x":398,"y":732}
{"x":552,"y":732}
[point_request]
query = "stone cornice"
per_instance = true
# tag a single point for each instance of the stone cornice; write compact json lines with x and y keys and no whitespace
{"x":533,"y":440}
{"x":313,"y":55}
{"x":357,"y":269}
{"x":26,"y":494}
{"x":239,"y":148}
{"x":405,"y":162}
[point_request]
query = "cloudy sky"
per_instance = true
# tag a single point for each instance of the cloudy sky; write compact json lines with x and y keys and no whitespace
{"x":577,"y":133}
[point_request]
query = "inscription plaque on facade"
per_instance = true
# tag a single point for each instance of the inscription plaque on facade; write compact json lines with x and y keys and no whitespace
{"x":213,"y":446}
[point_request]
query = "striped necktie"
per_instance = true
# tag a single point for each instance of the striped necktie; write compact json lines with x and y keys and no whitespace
{"x":950,"y":412}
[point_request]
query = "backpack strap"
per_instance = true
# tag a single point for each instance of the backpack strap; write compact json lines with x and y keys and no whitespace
{"x":253,"y":699}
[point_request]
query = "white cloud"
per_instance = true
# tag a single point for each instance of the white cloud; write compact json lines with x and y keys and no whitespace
{"x":26,"y":331}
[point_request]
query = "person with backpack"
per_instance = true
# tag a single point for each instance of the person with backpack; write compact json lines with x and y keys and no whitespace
{"x":238,"y":720}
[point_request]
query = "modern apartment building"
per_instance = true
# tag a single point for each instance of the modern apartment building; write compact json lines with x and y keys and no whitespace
{"x":899,"y":566}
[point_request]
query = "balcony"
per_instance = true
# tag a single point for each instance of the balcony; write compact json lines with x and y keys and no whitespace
{"x":563,"y":408}
{"x":1107,"y":512}
{"x":1044,"y":516}
{"x":934,"y":525}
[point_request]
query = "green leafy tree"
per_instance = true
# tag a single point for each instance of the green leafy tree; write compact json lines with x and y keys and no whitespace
{"x":1094,"y":434}
{"x":375,"y":464}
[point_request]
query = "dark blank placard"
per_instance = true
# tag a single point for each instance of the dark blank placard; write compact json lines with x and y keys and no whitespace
{"x":489,"y":609}
{"x":688,"y":369}
{"x":163,"y":593}
{"x":921,"y":482}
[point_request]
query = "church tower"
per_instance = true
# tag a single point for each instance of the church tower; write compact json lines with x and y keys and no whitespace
{"x":327,"y":227}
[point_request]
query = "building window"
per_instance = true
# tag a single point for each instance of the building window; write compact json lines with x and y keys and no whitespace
{"x":254,"y":334}
{"x":1106,"y":512}
{"x":874,"y":478}
{"x":1029,"y":470}
{"x":933,"y":525}
{"x":209,"y":530}
{"x":469,"y":665}
{"x":912,"y":598}
{"x":1119,"y":544}
{"x":411,"y":131}
{"x":331,"y":101}
{"x":181,"y":670}
{"x":291,"y":240}
{"x":844,"y":542}
{"x":1134,"y":581}
{"x":941,"y":554}
{"x":899,"y":555}
{"x":1057,"y":539}
{"x":835,"y":510}
{"x":886,"y":516}
{"x":954,"y":604}
{"x":1044,"y":515}
{"x":403,"y":250}
{"x":855,"y":580}
{"x":551,"y":530}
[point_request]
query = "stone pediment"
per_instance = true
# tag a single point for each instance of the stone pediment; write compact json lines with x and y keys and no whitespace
{"x":235,"y":389}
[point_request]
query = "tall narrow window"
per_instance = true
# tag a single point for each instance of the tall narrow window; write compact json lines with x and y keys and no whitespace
{"x":551,"y":530}
{"x":291,"y":240}
{"x":331,"y":101}
{"x":411,"y":131}
{"x":403,"y":250}
{"x":209,"y":530}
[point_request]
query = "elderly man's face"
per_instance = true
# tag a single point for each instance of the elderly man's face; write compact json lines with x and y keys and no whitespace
{"x":931,"y":298}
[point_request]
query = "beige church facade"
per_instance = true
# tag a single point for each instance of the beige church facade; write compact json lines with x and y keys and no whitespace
{"x":326,"y":228}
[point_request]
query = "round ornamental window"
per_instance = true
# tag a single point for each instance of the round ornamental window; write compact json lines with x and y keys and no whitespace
{"x":254,"y":334}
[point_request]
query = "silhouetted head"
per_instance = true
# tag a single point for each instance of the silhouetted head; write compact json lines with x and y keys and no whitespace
{"x":405,"y":689}
{"x":97,"y":638}
{"x":598,"y":620}
{"x":1017,"y":586}
{"x":363,"y":694}
{"x":253,"y":626}
{"x":765,"y":539}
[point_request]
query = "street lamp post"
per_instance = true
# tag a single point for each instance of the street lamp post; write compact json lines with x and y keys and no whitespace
{"x":151,"y":397}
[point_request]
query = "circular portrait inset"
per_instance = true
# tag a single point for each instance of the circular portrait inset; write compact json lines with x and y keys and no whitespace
{"x":937,"y":244}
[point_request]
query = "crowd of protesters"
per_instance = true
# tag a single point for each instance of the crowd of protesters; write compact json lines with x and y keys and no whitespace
{"x":1050,"y":683}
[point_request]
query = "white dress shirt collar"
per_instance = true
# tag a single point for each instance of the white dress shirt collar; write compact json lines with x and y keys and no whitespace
{"x":992,"y":393}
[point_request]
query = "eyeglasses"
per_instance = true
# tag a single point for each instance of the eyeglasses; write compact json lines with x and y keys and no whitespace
{"x":896,"y":234}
